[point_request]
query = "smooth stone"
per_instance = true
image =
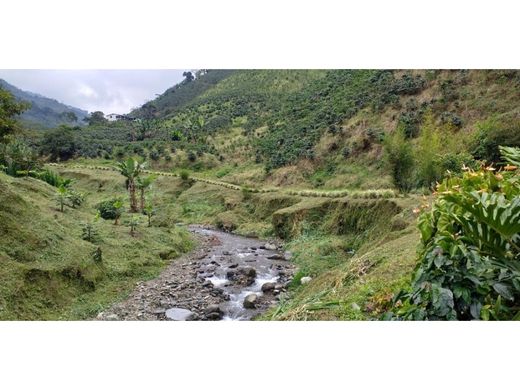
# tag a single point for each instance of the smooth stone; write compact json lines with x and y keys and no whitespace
{"x":269,"y":286}
{"x":305,"y":280}
{"x":276,"y":256}
{"x":270,"y":247}
{"x":179,"y":314}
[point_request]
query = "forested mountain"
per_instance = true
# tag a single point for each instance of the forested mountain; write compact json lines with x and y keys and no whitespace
{"x":44,"y":111}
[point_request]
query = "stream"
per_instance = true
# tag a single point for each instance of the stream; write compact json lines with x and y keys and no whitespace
{"x":228,"y":277}
{"x":233,"y":258}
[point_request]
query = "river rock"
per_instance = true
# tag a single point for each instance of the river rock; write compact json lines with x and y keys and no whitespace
{"x":305,"y":280}
{"x":250,"y":301}
{"x":213,"y":312}
{"x":269,"y":286}
{"x":234,"y":265}
{"x":276,"y":256}
{"x":270,"y":246}
{"x":179,"y":314}
{"x":112,"y":317}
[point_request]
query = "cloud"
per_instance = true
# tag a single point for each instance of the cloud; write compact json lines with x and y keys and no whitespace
{"x":109,"y":91}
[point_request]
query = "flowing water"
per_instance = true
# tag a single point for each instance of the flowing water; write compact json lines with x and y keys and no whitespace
{"x":232,"y":253}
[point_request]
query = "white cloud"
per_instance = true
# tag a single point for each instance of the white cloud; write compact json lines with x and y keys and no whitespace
{"x":95,"y":90}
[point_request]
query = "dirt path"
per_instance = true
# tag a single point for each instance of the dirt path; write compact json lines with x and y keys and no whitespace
{"x":212,"y":282}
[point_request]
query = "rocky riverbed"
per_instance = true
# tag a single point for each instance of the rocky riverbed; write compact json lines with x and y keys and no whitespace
{"x":228,"y":277}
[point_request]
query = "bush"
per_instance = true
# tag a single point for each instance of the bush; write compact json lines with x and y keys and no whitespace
{"x":154,"y":155}
{"x":492,"y":133}
{"x":469,"y":264}
{"x":76,"y":198}
{"x":185,"y":175}
{"x":108,"y":210}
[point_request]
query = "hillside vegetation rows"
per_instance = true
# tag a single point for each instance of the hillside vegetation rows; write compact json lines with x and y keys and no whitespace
{"x":336,"y":162}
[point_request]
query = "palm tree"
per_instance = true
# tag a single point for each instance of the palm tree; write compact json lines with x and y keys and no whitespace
{"x":131,"y":169}
{"x":144,"y":183}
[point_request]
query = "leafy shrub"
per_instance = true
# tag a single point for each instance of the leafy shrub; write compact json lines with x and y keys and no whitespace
{"x":185,"y":175}
{"x":108,"y":210}
{"x":492,"y":133}
{"x":154,"y":155}
{"x":76,"y":198}
{"x":469,"y":265}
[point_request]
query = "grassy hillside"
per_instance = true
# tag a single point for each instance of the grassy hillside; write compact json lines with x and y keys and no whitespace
{"x":48,"y":270}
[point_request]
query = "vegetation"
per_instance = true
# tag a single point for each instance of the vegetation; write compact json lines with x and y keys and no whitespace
{"x":131,"y":169}
{"x":469,"y":264}
{"x":334,"y":162}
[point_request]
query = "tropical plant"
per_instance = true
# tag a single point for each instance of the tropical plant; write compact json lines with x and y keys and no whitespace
{"x":131,"y":169}
{"x":118,"y":210}
{"x":149,"y":210}
{"x":133,"y":223}
{"x":469,"y":265}
{"x":62,"y":195}
{"x":144,"y":183}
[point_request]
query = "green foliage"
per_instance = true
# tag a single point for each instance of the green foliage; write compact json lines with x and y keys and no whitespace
{"x":51,"y":177}
{"x":491,"y":134}
{"x":469,"y":265}
{"x":59,"y":144}
{"x":62,"y":196}
{"x":90,"y":233}
{"x":149,"y":211}
{"x":131,"y":169}
{"x":16,"y":155}
{"x":110,"y":209}
{"x":76,"y":198}
{"x":133,"y":223}
{"x":185,"y":175}
{"x":400,"y":159}
{"x":9,"y":111}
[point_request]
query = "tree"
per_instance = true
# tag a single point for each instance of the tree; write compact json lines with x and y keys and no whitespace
{"x":143,"y":183}
{"x":96,"y":118}
{"x":17,"y":156}
{"x":189,"y":76}
{"x":399,"y":155}
{"x":131,"y":169}
{"x":9,"y":109}
{"x":59,"y":143}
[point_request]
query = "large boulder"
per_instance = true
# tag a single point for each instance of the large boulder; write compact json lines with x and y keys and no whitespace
{"x":305,"y":280}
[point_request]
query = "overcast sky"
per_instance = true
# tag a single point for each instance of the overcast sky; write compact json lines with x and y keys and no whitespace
{"x":110,"y":91}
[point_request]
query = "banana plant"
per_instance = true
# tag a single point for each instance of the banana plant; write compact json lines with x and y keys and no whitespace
{"x":131,"y":169}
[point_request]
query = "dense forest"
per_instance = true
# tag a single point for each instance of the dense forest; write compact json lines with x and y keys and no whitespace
{"x":350,"y":170}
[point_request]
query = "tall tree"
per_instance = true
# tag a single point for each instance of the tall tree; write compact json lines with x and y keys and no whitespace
{"x":9,"y":109}
{"x":131,"y":169}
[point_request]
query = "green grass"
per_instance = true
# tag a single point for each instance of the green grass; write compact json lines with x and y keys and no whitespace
{"x":47,"y":268}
